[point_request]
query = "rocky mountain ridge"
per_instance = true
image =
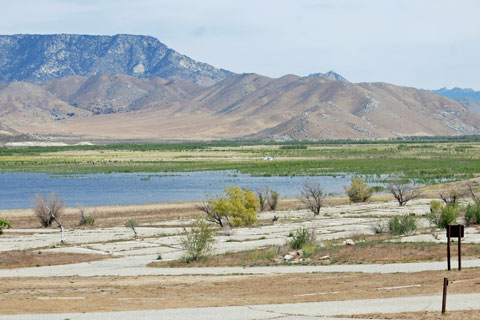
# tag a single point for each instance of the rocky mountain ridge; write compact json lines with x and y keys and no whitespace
{"x":39,"y":58}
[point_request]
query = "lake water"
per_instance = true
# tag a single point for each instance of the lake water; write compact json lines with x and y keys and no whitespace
{"x":18,"y":189}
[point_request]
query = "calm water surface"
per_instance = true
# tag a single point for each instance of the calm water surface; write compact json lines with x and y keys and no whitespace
{"x":18,"y":189}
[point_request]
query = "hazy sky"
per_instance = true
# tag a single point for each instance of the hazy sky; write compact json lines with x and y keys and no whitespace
{"x":420,"y":43}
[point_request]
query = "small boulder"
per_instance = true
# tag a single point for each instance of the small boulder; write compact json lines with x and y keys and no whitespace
{"x":288,"y":257}
{"x":324,"y":258}
{"x":349,"y":242}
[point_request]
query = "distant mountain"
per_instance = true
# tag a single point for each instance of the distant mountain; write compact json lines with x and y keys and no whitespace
{"x":134,"y":87}
{"x":39,"y":58}
{"x":458,"y":93}
{"x":247,"y":106}
{"x":329,"y":74}
{"x":467,"y":97}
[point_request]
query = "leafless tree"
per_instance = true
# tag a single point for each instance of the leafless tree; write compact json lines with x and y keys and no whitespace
{"x":48,"y":211}
{"x":86,"y":217}
{"x":210,"y":214}
{"x":312,"y":196}
{"x":451,"y":197}
{"x":470,"y":186}
{"x":402,"y":191}
{"x":132,"y":224}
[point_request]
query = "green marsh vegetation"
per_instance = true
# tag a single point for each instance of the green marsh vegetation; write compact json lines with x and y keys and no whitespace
{"x":424,"y":161}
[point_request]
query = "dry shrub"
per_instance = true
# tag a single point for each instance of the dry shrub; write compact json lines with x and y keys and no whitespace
{"x":46,"y":210}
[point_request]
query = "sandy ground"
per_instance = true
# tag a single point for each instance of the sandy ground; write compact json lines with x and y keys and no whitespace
{"x":58,"y":289}
{"x":88,"y":294}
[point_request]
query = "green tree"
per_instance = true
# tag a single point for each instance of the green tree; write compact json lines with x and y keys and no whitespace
{"x":239,"y":206}
{"x":358,"y":190}
{"x":4,"y":224}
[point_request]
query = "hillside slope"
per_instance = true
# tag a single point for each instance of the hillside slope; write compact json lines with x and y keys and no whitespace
{"x":243,"y":106}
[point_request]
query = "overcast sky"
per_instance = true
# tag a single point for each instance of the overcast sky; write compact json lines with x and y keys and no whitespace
{"x":420,"y":43}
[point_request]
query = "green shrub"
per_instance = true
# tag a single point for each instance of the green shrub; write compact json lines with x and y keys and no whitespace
{"x":472,"y":213}
{"x":272,"y":200}
{"x":198,"y":241}
{"x":301,"y":237}
{"x":86,"y":218}
{"x":262,"y":199}
{"x":268,"y":199}
{"x":4,"y":224}
{"x":377,"y":189}
{"x":358,"y":190}
{"x":309,"y":250}
{"x":402,"y":225}
{"x":443,"y":215}
{"x":294,"y":147}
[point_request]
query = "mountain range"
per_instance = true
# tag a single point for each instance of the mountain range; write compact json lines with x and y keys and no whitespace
{"x":135,"y":87}
{"x":467,"y":97}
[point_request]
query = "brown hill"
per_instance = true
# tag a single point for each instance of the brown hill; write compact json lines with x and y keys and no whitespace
{"x":243,"y":106}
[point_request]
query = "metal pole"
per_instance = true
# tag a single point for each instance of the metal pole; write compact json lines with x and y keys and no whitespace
{"x":448,"y":245}
{"x":459,"y":251}
{"x":444,"y":300}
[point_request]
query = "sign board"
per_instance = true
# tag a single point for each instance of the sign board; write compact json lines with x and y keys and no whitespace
{"x":455,"y":231}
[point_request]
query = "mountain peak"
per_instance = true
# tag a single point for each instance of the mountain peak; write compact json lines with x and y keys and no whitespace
{"x":39,"y":58}
{"x":330,"y":74}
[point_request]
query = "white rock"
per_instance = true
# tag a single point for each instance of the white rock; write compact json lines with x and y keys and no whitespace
{"x":288,"y":257}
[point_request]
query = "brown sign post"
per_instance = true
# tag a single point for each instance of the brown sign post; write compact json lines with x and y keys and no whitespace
{"x":455,"y":231}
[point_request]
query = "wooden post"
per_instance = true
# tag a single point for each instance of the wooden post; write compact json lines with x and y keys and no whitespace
{"x":448,"y":245}
{"x":444,"y":300}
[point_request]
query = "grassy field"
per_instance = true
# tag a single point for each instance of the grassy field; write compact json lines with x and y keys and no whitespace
{"x":425,"y":161}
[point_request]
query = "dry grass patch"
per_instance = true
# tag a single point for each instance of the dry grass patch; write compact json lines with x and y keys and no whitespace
{"x":245,"y":258}
{"x":372,"y":249}
{"x":25,"y":259}
{"x":110,"y":216}
{"x":392,"y":252}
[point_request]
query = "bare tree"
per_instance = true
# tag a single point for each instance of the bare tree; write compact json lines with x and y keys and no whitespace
{"x":86,"y":217}
{"x":451,"y":197}
{"x":402,"y":191}
{"x":312,"y":196}
{"x":210,"y":214}
{"x":470,"y":187}
{"x":132,"y":224}
{"x":48,"y":211}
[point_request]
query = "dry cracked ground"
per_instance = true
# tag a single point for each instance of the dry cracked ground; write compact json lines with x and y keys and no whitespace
{"x":105,"y":269}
